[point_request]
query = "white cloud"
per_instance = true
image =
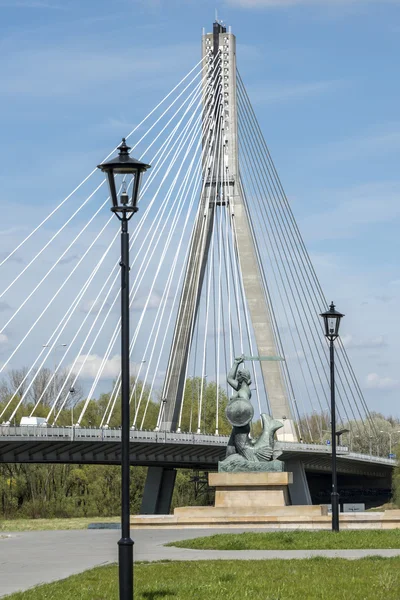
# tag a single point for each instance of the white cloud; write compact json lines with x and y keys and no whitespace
{"x":375,"y":382}
{"x":283,"y":3}
{"x":70,"y":69}
{"x":354,"y":209}
{"x":374,"y":142}
{"x":3,"y":338}
{"x":92,"y":364}
{"x":154,"y":302}
{"x":31,"y":4}
{"x":295,"y":355}
{"x":93,"y":306}
{"x":376,"y":342}
{"x":270,"y":93}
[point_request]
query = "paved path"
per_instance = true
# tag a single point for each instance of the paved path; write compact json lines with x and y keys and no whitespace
{"x":31,"y":558}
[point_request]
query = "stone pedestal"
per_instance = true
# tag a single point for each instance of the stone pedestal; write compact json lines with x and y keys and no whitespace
{"x":250,"y":490}
{"x":243,"y":500}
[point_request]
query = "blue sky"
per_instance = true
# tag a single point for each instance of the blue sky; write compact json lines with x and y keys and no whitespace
{"x":323,"y":79}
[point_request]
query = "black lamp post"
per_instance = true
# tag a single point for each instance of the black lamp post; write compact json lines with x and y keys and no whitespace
{"x":331,"y":323}
{"x":124,"y":172}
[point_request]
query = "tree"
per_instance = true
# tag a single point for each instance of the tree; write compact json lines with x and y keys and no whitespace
{"x":314,"y":428}
{"x":374,"y":435}
{"x":396,"y":478}
{"x":47,"y":385}
{"x":17,"y":380}
{"x":200,"y":398}
{"x":40,"y":389}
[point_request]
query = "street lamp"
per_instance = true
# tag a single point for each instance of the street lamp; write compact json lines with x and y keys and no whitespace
{"x":332,"y":320}
{"x":283,"y":431}
{"x":54,"y":350}
{"x":124,"y":172}
{"x":340,"y":433}
{"x":390,"y":433}
{"x":71,"y":393}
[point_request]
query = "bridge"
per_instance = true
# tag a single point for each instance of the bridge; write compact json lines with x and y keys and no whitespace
{"x":220,"y":269}
{"x":167,"y":451}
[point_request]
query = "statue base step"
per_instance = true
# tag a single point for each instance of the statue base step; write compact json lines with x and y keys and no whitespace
{"x":286,"y":517}
{"x":246,"y":514}
{"x":244,"y":500}
{"x":251,"y":490}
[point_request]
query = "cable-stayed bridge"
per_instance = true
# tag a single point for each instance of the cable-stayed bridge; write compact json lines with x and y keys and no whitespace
{"x":218,"y":269}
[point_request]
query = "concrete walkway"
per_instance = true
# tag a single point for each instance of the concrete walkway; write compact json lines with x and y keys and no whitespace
{"x":30,"y":558}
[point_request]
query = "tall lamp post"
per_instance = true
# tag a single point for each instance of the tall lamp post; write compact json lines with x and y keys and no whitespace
{"x":54,"y":350}
{"x":123,"y":173}
{"x":332,"y":320}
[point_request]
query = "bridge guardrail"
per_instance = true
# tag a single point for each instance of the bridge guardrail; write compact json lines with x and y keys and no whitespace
{"x":34,"y":431}
{"x":372,"y":458}
{"x":312,"y":447}
{"x":91,"y":433}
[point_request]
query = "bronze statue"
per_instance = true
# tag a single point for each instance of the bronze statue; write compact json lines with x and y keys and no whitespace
{"x":244,"y":453}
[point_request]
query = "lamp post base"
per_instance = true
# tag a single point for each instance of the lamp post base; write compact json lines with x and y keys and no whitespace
{"x":125,"y":561}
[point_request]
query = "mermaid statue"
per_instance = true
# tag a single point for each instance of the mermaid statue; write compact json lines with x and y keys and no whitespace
{"x":244,"y":453}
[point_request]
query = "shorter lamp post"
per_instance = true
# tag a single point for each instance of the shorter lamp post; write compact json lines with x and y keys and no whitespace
{"x":332,"y":320}
{"x":390,"y":434}
{"x":340,"y":433}
{"x":122,"y":173}
{"x":71,"y":394}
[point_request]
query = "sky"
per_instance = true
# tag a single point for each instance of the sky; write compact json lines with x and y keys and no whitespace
{"x":323,"y":79}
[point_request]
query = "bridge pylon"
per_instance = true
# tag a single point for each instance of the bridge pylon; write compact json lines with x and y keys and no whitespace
{"x":221,"y":190}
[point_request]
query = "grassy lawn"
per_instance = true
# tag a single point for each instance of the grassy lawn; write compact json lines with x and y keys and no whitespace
{"x":52,"y":524}
{"x":297,"y":540}
{"x":312,"y":579}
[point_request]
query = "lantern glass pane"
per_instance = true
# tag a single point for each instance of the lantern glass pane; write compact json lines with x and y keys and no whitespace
{"x":331,"y":325}
{"x":124,"y":182}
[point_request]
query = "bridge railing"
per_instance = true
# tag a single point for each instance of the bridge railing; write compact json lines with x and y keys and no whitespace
{"x":93,"y":433}
{"x":34,"y":431}
{"x":163,"y":437}
{"x":324,"y":448}
{"x":373,"y":458}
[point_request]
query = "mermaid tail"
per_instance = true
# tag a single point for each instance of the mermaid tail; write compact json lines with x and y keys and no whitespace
{"x":264,"y":445}
{"x":259,"y":450}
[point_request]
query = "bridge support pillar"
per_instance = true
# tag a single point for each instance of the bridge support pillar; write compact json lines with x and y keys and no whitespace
{"x":299,"y":491}
{"x":158,"y":490}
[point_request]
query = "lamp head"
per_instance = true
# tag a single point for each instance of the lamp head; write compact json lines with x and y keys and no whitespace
{"x":124,"y":173}
{"x":332,"y":320}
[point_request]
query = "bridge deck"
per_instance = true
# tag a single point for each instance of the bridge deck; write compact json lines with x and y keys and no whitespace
{"x":150,"y":448}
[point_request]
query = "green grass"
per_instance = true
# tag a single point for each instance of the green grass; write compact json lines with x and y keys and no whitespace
{"x":297,"y":540}
{"x":312,"y":579}
{"x":52,"y":524}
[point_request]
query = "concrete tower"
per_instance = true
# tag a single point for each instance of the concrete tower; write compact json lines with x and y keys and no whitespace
{"x":219,"y":52}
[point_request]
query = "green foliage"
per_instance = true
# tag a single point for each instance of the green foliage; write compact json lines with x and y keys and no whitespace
{"x":377,"y":435}
{"x":48,"y":491}
{"x":295,"y":540}
{"x":198,"y":391}
{"x":396,"y":478}
{"x":188,"y":492}
{"x":62,"y":491}
{"x":314,"y":579}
